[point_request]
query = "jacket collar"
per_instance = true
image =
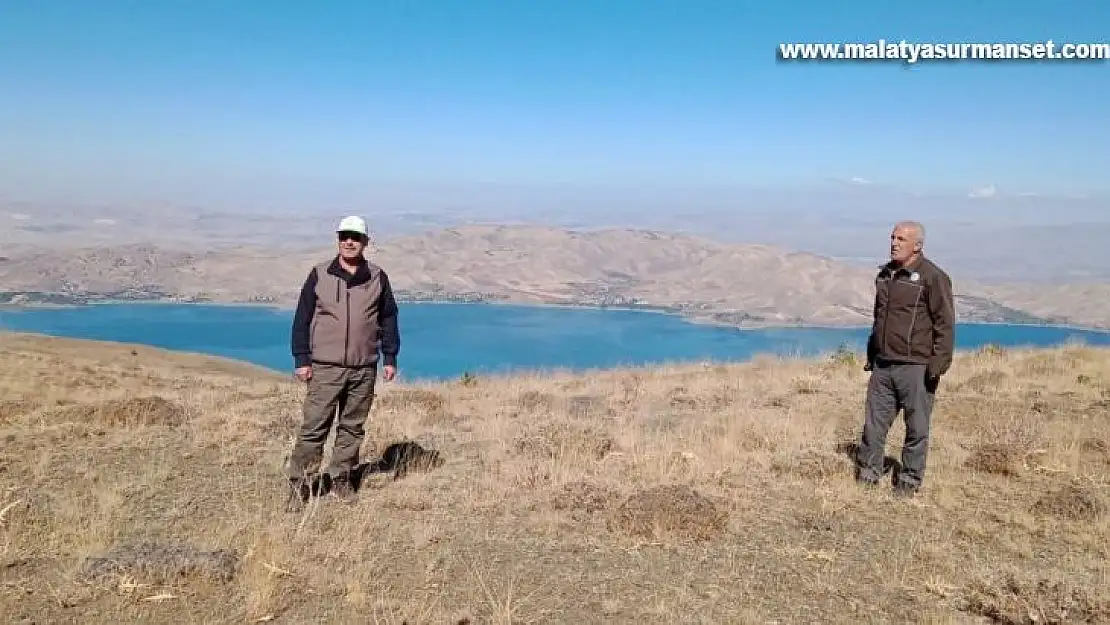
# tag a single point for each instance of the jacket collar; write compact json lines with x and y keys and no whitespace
{"x":891,"y":269}
{"x":362,"y":273}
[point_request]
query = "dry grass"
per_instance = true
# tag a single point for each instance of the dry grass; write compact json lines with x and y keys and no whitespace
{"x":145,"y":486}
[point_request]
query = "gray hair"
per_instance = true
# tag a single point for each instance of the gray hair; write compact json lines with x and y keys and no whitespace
{"x":916,"y":227}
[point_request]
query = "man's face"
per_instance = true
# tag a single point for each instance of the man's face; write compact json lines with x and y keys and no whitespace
{"x":351,"y":245}
{"x":903,"y":243}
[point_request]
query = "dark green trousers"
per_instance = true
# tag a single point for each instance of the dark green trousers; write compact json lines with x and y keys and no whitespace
{"x":336,"y":395}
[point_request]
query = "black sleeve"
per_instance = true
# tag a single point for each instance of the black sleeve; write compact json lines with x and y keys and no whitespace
{"x":872,"y":340}
{"x":942,"y":309}
{"x":302,"y":322}
{"x":387,"y":317}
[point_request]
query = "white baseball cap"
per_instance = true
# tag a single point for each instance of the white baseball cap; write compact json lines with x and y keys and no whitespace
{"x":353,"y":223}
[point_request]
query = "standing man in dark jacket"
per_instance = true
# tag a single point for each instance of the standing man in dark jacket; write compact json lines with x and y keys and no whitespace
{"x":911,"y":346}
{"x":345,"y":316}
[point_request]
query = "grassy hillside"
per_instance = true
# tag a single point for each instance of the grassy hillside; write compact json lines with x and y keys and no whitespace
{"x":137,"y":485}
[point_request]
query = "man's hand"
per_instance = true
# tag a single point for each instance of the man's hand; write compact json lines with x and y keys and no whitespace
{"x":932,"y":372}
{"x":389,"y":372}
{"x":303,"y":373}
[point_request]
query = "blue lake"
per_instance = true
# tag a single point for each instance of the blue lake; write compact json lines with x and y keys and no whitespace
{"x":445,"y":340}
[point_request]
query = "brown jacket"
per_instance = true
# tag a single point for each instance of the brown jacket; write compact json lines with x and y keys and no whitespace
{"x":914,"y":317}
{"x":345,"y":319}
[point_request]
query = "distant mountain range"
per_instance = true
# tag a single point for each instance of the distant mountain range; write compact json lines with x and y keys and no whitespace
{"x":701,"y":278}
{"x":1004,"y":236}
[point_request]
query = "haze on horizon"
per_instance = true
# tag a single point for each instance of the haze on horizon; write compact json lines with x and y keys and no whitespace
{"x":633,"y":114}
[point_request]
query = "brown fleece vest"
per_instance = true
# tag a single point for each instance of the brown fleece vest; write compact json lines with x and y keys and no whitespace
{"x":345,"y":329}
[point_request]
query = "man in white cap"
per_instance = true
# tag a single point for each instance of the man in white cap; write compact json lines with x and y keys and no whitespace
{"x":346,"y":316}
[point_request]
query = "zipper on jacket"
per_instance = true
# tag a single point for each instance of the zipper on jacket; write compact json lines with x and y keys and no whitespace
{"x":913,"y":319}
{"x":886,"y":313}
{"x":347,"y":330}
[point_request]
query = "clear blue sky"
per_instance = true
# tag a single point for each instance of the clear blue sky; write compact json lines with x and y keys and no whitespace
{"x":146,"y":94}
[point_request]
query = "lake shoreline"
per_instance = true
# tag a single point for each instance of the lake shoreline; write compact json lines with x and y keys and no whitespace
{"x":508,"y":339}
{"x":689,"y":318}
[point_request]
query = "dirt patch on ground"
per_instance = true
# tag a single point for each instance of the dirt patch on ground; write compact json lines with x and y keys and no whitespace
{"x":669,"y":512}
{"x":135,"y":412}
{"x":536,"y":401}
{"x":810,"y":464}
{"x":777,"y":401}
{"x":584,"y":496}
{"x":996,"y":459}
{"x":1072,"y":502}
{"x":1016,"y":602}
{"x":807,"y":385}
{"x":1096,"y":448}
{"x":587,"y":407}
{"x":681,"y":398}
{"x":12,"y":409}
{"x":561,"y":439}
{"x":158,"y":563}
{"x":985,"y":382}
{"x":1095,"y":445}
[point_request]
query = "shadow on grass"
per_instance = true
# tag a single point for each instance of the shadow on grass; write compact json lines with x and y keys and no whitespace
{"x":398,"y":458}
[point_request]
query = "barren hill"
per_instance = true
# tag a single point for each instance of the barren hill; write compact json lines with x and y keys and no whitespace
{"x":697,"y":277}
{"x":634,"y":267}
{"x":142,"y":486}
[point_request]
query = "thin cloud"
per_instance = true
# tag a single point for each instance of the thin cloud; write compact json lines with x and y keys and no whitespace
{"x":988,"y":191}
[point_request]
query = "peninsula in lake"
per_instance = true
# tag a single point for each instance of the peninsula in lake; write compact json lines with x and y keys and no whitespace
{"x":701,"y":278}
